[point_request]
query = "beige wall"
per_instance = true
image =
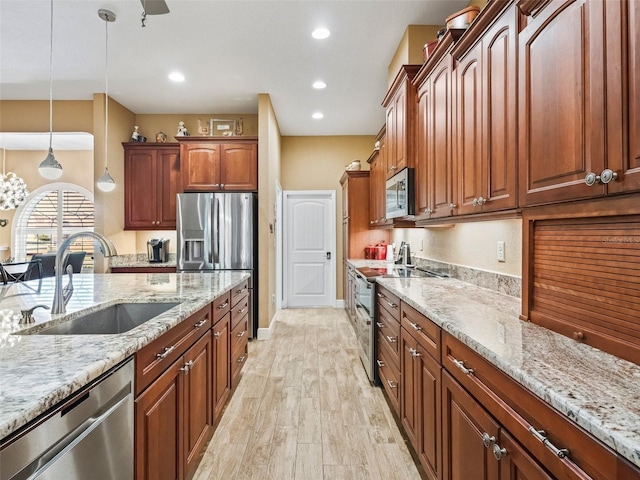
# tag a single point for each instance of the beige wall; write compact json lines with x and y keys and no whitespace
{"x":410,"y":48}
{"x":317,"y":163}
{"x":33,"y":116}
{"x":269,"y":163}
{"x":469,"y":244}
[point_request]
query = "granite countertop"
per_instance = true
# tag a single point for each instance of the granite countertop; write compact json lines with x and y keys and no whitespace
{"x":38,"y":371}
{"x":133,"y":260}
{"x":598,"y":391}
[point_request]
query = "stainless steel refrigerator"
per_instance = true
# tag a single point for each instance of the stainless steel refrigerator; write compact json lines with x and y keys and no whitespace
{"x":218,"y":231}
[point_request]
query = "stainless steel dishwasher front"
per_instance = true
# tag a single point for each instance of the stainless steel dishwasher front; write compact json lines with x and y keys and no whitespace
{"x":89,"y":435}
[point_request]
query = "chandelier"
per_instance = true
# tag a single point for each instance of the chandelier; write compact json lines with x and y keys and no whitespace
{"x":13,"y":189}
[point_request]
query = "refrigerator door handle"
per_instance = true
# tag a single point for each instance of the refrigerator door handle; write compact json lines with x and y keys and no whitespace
{"x":215,"y":234}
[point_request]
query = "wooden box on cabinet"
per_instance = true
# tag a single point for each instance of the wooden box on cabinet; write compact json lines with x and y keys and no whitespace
{"x":209,"y":165}
{"x":152,"y":180}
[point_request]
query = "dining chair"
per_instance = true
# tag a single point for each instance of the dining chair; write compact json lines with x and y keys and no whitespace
{"x":21,"y":271}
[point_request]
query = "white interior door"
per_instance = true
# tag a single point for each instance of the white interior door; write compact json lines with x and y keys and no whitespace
{"x":309,"y":248}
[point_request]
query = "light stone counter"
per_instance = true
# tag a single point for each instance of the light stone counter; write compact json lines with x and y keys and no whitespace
{"x":38,"y":371}
{"x":598,"y":391}
{"x":133,"y":260}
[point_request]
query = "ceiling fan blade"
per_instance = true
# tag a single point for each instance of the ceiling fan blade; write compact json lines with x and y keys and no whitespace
{"x":154,"y":7}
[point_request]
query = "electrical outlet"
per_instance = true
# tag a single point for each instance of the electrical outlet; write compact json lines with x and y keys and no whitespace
{"x":273,"y":298}
{"x":500,"y":251}
{"x":422,"y":244}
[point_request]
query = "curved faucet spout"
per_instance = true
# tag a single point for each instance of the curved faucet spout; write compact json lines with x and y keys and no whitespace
{"x":59,"y":298}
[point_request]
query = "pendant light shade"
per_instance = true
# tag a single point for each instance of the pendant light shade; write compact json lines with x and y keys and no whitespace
{"x":50,"y":168}
{"x":106,"y":183}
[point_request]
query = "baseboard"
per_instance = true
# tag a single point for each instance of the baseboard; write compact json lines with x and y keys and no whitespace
{"x":265,"y":333}
{"x":339,"y":303}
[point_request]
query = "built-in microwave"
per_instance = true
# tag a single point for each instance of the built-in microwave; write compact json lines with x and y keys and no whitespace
{"x":399,"y":194}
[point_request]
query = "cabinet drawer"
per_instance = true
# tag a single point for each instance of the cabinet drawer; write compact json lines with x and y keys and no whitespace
{"x":221,"y":306}
{"x":156,"y":357}
{"x":389,"y":338}
{"x":390,"y":378}
{"x":387,"y":324}
{"x":240,"y":311}
{"x":240,"y":353}
{"x":240,"y":292}
{"x":422,"y":329}
{"x":389,"y":302}
{"x":239,"y":335}
{"x":521,"y":413}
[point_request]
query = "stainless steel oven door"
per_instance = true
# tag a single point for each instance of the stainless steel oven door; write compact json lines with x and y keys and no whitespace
{"x":365,"y":294}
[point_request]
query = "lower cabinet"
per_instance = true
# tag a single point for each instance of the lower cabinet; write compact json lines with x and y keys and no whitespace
{"x":183,"y":381}
{"x":173,"y":416}
{"x":467,"y":420}
{"x":221,"y":366}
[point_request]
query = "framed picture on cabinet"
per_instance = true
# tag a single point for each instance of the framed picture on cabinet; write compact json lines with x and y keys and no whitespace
{"x":223,"y":128}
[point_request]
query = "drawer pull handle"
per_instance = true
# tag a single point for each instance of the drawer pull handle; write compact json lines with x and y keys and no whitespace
{"x":414,"y":353}
{"x":392,"y":384}
{"x":241,"y":359}
{"x":499,"y":452}
{"x":460,"y":365}
{"x":217,"y":334}
{"x":200,"y":323}
{"x":542,"y":436}
{"x":380,"y":295}
{"x":166,"y":353}
{"x":415,"y":326}
{"x":224,"y":305}
{"x":242,"y":290}
{"x":380,"y":363}
{"x":488,"y":440}
{"x":391,"y":339}
{"x":392,"y":305}
{"x":243,"y":310}
{"x":241,"y":334}
{"x":380,"y":324}
{"x":187,"y":366}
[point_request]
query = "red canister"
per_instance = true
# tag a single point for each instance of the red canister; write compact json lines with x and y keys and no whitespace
{"x":369,"y":252}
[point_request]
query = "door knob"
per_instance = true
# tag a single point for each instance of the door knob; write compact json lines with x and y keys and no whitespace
{"x":328,"y":255}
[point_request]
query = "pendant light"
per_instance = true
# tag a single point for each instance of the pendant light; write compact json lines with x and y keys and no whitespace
{"x":106,"y":183}
{"x":50,"y":168}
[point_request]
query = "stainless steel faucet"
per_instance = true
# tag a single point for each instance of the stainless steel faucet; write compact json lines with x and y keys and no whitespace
{"x":62,"y":295}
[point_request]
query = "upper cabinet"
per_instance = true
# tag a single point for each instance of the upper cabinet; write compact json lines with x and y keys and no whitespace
{"x":577,"y":87}
{"x":209,"y":165}
{"x":400,"y":104}
{"x":152,"y":180}
{"x":377,"y":183}
{"x":486,"y":147}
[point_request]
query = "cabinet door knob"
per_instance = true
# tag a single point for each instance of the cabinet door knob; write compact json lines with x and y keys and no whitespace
{"x":606,"y":176}
{"x":452,"y":206}
{"x":222,"y":185}
{"x":488,"y":440}
{"x":499,"y":452}
{"x":477,"y":202}
{"x":579,"y":336}
{"x":217,"y":334}
{"x":428,"y":211}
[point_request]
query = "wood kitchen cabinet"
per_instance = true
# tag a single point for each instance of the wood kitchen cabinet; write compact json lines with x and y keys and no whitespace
{"x":377,"y":183}
{"x":485,"y":94}
{"x":434,"y":166}
{"x":221,"y":366}
{"x":388,"y":345}
{"x":173,"y":414}
{"x":561,"y":101}
{"x":209,"y":165}
{"x":400,"y":105}
{"x":152,"y":180}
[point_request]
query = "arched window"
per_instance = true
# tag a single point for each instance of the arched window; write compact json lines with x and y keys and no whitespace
{"x":49,"y":215}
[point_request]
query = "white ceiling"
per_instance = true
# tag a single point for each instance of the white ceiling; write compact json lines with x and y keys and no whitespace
{"x":229,"y":51}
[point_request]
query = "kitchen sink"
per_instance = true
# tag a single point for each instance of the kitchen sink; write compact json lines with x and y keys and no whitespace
{"x":118,"y":318}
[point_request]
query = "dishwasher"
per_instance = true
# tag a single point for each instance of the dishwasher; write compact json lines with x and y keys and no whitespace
{"x":88,"y":435}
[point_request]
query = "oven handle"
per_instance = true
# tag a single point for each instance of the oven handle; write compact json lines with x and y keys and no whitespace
{"x":362,"y":279}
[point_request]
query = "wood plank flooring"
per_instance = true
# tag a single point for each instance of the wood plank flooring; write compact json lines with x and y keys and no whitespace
{"x":304,"y":409}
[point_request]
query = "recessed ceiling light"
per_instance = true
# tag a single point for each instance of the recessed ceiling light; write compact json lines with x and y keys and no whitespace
{"x":320,"y":33}
{"x":319,"y":85}
{"x":318,"y":115}
{"x":176,"y":77}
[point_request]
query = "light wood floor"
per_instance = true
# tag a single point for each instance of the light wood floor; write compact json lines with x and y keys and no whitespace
{"x":304,"y":409}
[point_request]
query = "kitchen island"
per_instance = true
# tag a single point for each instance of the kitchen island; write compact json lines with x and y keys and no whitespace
{"x":39,"y":371}
{"x":595,"y":390}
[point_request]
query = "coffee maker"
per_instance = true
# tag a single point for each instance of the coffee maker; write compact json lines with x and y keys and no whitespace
{"x":158,"y":250}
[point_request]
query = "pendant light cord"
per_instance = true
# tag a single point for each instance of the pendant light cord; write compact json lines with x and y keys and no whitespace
{"x":106,"y":91}
{"x":51,"y":81}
